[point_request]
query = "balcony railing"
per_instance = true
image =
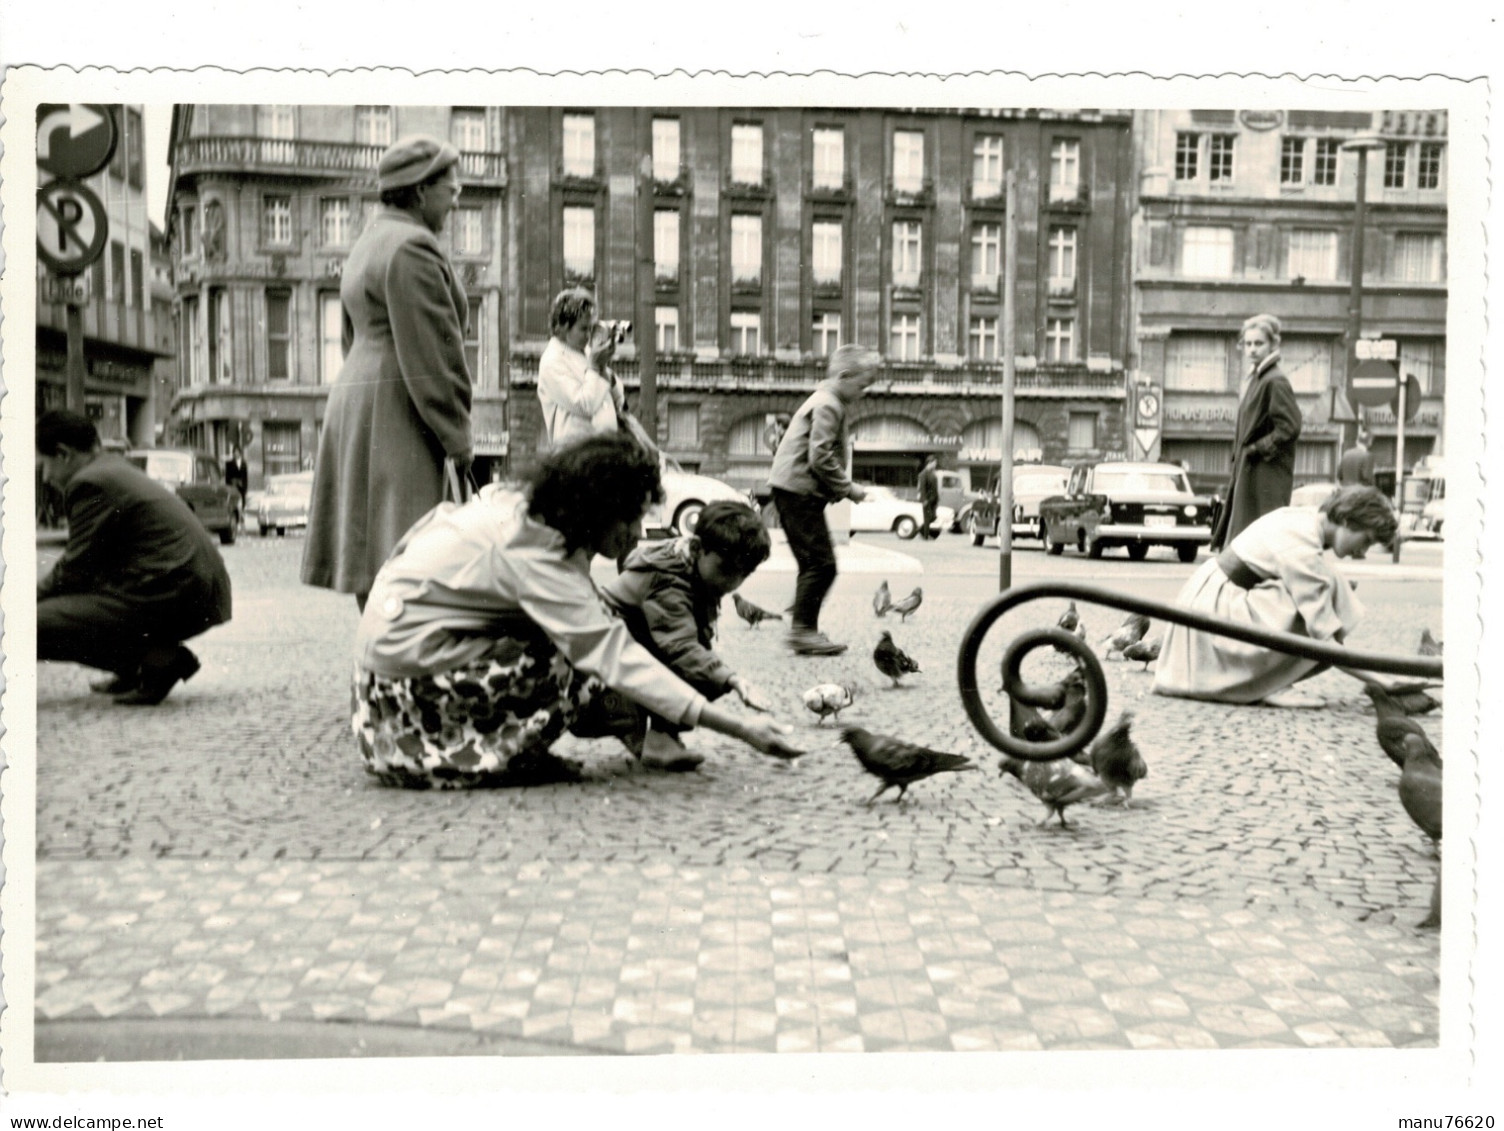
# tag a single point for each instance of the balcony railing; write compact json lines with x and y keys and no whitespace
{"x":315,"y":158}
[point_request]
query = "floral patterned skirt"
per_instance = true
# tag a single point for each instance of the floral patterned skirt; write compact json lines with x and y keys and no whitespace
{"x":486,"y":723}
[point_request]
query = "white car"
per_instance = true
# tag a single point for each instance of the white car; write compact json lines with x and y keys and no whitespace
{"x":882,"y":510}
{"x":685,"y":494}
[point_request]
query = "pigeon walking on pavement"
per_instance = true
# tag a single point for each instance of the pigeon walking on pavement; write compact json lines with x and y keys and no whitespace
{"x":1133,"y":629}
{"x":1394,"y":726}
{"x":882,"y":600}
{"x":1429,"y":645}
{"x":896,"y":762}
{"x":892,"y":660}
{"x":1070,"y":620}
{"x":754,"y":615}
{"x":909,"y":604}
{"x":1116,"y":760}
{"x":1058,"y":784}
{"x":1420,"y":794}
{"x":829,"y":699}
{"x":1145,"y":651}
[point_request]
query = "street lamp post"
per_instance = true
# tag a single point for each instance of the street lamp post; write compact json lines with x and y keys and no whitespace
{"x":1361,"y":146}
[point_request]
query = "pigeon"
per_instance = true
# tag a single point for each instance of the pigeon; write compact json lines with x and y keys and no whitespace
{"x":1146,"y":651}
{"x":1071,"y":713}
{"x":1429,"y":645}
{"x":830,"y":699}
{"x":1420,"y":794}
{"x":900,"y":763}
{"x":882,"y":600}
{"x":1116,"y":760}
{"x":754,"y":615}
{"x":1027,"y":723}
{"x":1133,"y":629}
{"x":892,"y":660}
{"x":909,"y":604}
{"x":1394,"y":725}
{"x":1058,"y":784}
{"x":1070,"y":620}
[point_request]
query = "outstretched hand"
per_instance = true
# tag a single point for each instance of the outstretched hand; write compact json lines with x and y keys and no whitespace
{"x":751,"y":696}
{"x":768,"y":738}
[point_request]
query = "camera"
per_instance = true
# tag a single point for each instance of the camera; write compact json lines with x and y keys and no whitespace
{"x":618,"y":330}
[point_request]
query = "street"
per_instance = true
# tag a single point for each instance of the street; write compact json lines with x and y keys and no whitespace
{"x":219,"y":873}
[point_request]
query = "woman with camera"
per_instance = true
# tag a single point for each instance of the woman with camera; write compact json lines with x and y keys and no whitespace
{"x":579,"y":393}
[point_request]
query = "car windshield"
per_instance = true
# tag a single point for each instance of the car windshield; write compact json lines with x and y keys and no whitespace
{"x":298,"y":483}
{"x":1125,"y":481}
{"x":166,"y":467}
{"x":1035,"y":484}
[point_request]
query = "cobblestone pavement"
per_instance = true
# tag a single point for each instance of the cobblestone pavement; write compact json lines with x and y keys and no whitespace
{"x":224,"y":856}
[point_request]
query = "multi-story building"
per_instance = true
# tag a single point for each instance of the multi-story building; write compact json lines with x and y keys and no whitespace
{"x":1246,"y":212}
{"x":264,"y":205}
{"x":163,"y":305}
{"x":778,"y":234}
{"x":120,"y":321}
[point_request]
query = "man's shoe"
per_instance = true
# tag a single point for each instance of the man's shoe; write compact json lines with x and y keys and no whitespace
{"x":154,"y":684}
{"x":810,"y":642}
{"x":665,"y":752}
{"x":115,"y":685}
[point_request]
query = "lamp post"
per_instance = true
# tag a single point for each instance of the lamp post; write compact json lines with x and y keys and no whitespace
{"x":1361,"y":145}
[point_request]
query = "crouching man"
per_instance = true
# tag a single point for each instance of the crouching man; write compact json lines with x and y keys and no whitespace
{"x":139,"y":574}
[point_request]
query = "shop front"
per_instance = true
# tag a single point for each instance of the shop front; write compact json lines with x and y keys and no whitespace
{"x":890,"y":451}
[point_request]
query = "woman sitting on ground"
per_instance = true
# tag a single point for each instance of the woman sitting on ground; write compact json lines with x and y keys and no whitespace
{"x":484,"y":638}
{"x":1274,"y":575}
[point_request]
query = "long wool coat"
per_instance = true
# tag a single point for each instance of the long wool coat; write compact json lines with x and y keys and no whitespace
{"x":401,"y":404}
{"x":1263,"y":471}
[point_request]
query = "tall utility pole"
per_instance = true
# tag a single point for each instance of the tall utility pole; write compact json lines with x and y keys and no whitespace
{"x":1009,"y":344}
{"x":646,"y":330}
{"x":1360,"y":145}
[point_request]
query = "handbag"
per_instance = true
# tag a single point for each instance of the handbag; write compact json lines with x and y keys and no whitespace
{"x":633,"y":428}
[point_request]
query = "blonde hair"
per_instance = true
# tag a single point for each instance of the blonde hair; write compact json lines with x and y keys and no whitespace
{"x":1265,"y":322}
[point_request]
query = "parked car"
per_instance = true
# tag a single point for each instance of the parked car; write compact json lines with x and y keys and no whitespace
{"x":1134,"y":505}
{"x":685,"y":494}
{"x":953,"y":494}
{"x":1032,"y":483}
{"x":199,"y":480}
{"x":284,"y":502}
{"x":883,"y":510}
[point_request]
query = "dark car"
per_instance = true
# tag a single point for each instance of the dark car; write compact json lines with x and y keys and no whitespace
{"x":1032,"y":483}
{"x":199,"y":481}
{"x":1134,"y":505}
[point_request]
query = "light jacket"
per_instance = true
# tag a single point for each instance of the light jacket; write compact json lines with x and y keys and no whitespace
{"x":811,"y":457}
{"x":577,"y":401}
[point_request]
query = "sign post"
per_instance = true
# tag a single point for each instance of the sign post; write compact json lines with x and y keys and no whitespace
{"x":1399,"y":468}
{"x":1009,"y":344}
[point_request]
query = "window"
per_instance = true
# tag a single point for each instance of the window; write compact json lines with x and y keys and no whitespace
{"x":373,"y":125}
{"x":138,"y":279}
{"x":829,"y":158}
{"x":1207,"y":253}
{"x":908,"y":160}
{"x":825,"y":253}
{"x":666,"y":243}
{"x":132,"y":142}
{"x":1065,"y":168}
{"x":666,"y":319}
{"x":903,"y":338}
{"x":1313,"y":254}
{"x":117,"y":272}
{"x":1063,"y":253}
{"x":220,"y":359}
{"x":986,"y":167}
{"x":1324,"y":171}
{"x":579,"y":243}
{"x":827,"y":333}
{"x":193,"y":343}
{"x":468,"y":232}
{"x":276,"y":220}
{"x":1292,"y":160}
{"x":1428,"y":166}
{"x":1424,"y":359}
{"x":665,"y":149}
{"x":278,"y":122}
{"x":986,"y":256}
{"x":331,"y":336}
{"x":334,"y":221}
{"x":579,"y":145}
{"x":474,"y":336}
{"x":1219,"y":157}
{"x":189,"y":228}
{"x":746,"y":332}
{"x":1187,"y":156}
{"x":1396,"y":155}
{"x":278,"y":335}
{"x":746,"y":248}
{"x":1081,"y":431}
{"x":684,"y":425}
{"x":1197,"y":363}
{"x":984,"y":339}
{"x":281,"y":447}
{"x":1060,"y":340}
{"x":1307,"y":362}
{"x":1417,"y":257}
{"x":907,"y":244}
{"x":746,"y":153}
{"x":467,"y":129}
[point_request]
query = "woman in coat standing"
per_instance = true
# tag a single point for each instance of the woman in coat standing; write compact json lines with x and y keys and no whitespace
{"x":402,"y":401}
{"x":1263,"y":472}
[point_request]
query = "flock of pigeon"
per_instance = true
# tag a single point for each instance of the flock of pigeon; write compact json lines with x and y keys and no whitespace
{"x":1113,"y":764}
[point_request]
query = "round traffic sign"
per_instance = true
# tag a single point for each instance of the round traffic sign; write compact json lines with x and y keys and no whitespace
{"x":71,"y":226}
{"x":75,"y":139}
{"x":1372,"y":383}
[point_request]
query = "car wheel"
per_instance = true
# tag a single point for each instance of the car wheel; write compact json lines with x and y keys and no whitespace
{"x":1053,"y":546}
{"x":1138,"y":551}
{"x":227,"y":535}
{"x":281,"y":531}
{"x":1088,"y":545}
{"x":263,"y":528}
{"x":687,"y":517}
{"x":905,"y":527}
{"x":977,"y":537}
{"x":1187,"y":551}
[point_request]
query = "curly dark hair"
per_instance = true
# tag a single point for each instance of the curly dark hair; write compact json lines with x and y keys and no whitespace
{"x":59,"y":426}
{"x":1363,"y":508}
{"x":585,"y":488}
{"x":569,"y":306}
{"x":736,"y":532}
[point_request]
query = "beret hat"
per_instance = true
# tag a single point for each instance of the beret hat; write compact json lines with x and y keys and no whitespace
{"x":412,"y":160}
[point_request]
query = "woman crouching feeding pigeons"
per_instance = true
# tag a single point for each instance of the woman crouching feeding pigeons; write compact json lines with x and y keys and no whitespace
{"x":484,"y":638}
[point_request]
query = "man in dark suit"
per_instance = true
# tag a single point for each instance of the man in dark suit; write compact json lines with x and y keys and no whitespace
{"x":929,"y":498}
{"x":139,"y":576}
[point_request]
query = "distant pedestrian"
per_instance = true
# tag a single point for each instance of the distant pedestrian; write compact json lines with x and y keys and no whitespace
{"x":139,"y":576}
{"x":929,"y":498}
{"x":401,"y":405}
{"x":1356,"y":466}
{"x":809,"y":473}
{"x":237,"y":474}
{"x":1263,"y":450}
{"x":579,"y":394}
